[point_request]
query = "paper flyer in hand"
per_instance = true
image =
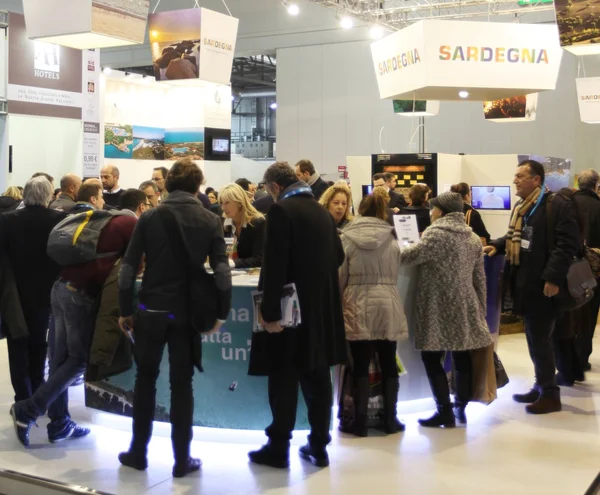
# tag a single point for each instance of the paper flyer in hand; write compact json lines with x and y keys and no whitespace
{"x":290,"y":308}
{"x":406,"y":230}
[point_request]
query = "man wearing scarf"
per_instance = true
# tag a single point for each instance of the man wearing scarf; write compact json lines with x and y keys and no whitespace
{"x":301,"y":247}
{"x":537,"y":275}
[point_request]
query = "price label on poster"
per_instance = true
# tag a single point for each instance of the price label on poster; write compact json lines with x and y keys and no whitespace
{"x":406,"y":230}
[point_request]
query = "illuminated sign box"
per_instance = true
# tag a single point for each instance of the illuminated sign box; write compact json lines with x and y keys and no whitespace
{"x":440,"y":60}
{"x":514,"y":109}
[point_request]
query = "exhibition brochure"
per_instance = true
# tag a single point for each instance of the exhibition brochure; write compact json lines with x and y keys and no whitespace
{"x":406,"y":230}
{"x":290,"y":308}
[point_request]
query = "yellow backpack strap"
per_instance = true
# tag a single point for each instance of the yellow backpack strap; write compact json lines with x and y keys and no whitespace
{"x":88,"y":215}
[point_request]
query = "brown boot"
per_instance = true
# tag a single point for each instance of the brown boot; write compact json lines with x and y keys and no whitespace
{"x":545,"y":405}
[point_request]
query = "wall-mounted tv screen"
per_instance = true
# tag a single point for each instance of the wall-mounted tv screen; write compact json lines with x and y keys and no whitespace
{"x":490,"y":197}
{"x":220,"y":145}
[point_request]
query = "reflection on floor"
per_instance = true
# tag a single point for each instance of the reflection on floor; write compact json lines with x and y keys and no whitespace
{"x":503,"y":451}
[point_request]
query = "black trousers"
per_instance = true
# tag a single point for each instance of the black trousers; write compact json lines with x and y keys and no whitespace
{"x":27,"y":357}
{"x":585,"y":336}
{"x":439,"y":381}
{"x":539,"y":331}
{"x":361,"y":356}
{"x":152,"y":332}
{"x":567,"y":358}
{"x":283,"y":399}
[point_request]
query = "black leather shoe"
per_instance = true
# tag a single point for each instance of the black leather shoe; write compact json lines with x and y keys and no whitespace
{"x":528,"y":398}
{"x":317,"y":457}
{"x":587,"y":367}
{"x":188,"y":467}
{"x":444,"y":417}
{"x":267,"y":455}
{"x":563,"y":381}
{"x":133,"y":461}
{"x":545,"y":405}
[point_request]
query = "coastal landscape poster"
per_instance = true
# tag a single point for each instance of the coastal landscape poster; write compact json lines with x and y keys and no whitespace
{"x":148,"y":143}
{"x":182,"y":143}
{"x":175,"y":44}
{"x":123,"y":19}
{"x":118,"y":141}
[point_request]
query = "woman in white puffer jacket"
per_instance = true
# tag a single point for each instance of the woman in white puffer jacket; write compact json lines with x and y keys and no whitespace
{"x":373,"y":312}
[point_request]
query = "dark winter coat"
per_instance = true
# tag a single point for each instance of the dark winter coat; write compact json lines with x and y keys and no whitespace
{"x":588,"y":204}
{"x":540,"y":265}
{"x":397,"y":200}
{"x":318,"y":188}
{"x":476,"y":223}
{"x":422,"y":214}
{"x":8,"y":204}
{"x":302,"y":247}
{"x":250,"y":244}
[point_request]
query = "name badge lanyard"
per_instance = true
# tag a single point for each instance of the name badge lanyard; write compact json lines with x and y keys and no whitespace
{"x":537,"y":203}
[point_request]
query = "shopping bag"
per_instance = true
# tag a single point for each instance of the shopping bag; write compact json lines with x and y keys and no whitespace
{"x":501,"y":376}
{"x":484,"y":375}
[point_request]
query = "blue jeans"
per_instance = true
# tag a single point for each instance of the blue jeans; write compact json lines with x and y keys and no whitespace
{"x":74,"y":316}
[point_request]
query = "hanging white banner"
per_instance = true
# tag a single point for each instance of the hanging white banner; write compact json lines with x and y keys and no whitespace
{"x":91,"y":113}
{"x":588,"y":97}
{"x":452,"y":60}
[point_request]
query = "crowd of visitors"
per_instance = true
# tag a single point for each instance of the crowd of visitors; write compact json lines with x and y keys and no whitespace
{"x":62,"y":252}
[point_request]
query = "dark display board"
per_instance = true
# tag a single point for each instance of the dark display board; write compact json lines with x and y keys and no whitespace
{"x":409,"y":169}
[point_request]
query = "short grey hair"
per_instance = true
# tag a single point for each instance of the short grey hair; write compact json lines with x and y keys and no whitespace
{"x":38,"y":192}
{"x":280,"y":173}
{"x":588,"y":179}
{"x":148,"y":183}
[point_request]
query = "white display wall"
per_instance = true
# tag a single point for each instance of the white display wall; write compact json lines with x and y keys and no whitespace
{"x":132,"y":100}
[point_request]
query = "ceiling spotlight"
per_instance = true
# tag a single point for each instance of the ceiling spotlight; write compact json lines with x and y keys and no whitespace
{"x":107,"y":70}
{"x":376,"y":32}
{"x":347,"y":22}
{"x":463,"y":94}
{"x":293,"y":9}
{"x":274,"y":106}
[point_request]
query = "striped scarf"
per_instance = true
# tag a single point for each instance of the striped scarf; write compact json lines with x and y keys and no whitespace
{"x":515,"y":228}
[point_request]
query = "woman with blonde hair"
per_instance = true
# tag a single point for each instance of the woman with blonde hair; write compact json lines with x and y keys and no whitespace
{"x":244,"y":228}
{"x":373,"y":313}
{"x":11,"y":198}
{"x":338,"y":201}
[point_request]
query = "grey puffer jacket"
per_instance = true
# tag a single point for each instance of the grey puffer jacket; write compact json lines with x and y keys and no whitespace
{"x":451,"y":290}
{"x":368,"y":282}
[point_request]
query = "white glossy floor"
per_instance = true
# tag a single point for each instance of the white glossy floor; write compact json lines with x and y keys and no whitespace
{"x":503,"y":451}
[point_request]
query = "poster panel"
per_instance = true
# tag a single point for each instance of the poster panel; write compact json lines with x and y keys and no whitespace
{"x":91,"y":113}
{"x":558,"y":170}
{"x":588,"y":98}
{"x":578,"y":25}
{"x":515,"y":109}
{"x":43,"y":79}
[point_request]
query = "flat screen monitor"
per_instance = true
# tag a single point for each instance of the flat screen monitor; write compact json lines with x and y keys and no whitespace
{"x":490,"y":197}
{"x":220,"y":146}
{"x":366,"y":190}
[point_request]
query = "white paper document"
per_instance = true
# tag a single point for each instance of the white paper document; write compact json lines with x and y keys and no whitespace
{"x":406,"y":230}
{"x":290,"y":308}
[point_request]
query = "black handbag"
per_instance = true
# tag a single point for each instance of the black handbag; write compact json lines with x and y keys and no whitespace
{"x":202,"y":293}
{"x":581,"y":281}
{"x":501,"y":376}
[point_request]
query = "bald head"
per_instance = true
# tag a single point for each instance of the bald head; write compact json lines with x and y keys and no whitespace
{"x":110,"y":178}
{"x":588,"y":180}
{"x":70,"y":185}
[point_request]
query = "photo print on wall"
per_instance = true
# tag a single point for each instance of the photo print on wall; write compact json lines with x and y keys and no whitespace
{"x":558,"y":170}
{"x":183,"y":143}
{"x":148,"y":143}
{"x":118,"y":141}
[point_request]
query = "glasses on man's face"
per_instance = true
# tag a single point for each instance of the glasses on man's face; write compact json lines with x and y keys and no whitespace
{"x":157,"y":179}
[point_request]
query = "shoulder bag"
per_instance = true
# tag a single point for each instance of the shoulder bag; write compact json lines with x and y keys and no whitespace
{"x":202,"y":293}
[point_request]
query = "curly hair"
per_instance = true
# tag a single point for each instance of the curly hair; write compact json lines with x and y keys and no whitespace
{"x":330,"y":193}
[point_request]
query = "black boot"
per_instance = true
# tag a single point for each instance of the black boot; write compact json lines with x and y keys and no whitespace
{"x":444,"y":417}
{"x":391,"y":423}
{"x":358,"y":426}
{"x":459,"y":411}
{"x":463,"y":395}
{"x":272,"y":454}
{"x":441,"y":393}
{"x":529,"y":398}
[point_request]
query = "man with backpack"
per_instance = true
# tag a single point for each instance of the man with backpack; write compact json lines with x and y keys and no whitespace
{"x":86,"y":245}
{"x":537,"y":265}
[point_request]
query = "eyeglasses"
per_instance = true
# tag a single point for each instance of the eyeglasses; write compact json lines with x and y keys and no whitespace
{"x":156,"y":179}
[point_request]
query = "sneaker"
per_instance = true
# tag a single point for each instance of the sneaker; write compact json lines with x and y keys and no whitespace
{"x":133,"y":461}
{"x":70,"y":431}
{"x":528,"y":398}
{"x":190,"y":466}
{"x":269,"y":456}
{"x":318,"y":457}
{"x":22,"y":427}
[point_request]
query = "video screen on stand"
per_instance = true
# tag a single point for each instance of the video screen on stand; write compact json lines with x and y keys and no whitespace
{"x":490,"y":197}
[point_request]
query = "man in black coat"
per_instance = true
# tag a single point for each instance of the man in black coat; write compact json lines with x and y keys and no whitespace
{"x":305,"y":171}
{"x":302,"y":247}
{"x":23,"y":240}
{"x":588,"y":206}
{"x":174,"y":237}
{"x":388,"y":181}
{"x":537,"y":275}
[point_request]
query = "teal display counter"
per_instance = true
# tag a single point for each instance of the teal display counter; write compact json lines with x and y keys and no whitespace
{"x":225,"y":396}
